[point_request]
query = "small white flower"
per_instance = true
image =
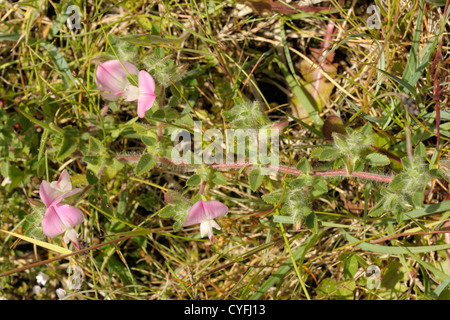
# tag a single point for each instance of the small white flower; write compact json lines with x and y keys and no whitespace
{"x":61,"y":293}
{"x":6,"y":181}
{"x":42,"y":278}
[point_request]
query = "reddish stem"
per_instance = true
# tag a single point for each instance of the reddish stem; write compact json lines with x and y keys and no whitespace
{"x":282,"y":169}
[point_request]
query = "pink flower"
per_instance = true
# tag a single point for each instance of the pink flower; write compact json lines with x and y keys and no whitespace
{"x":60,"y":217}
{"x":111,"y":79}
{"x":205,"y":213}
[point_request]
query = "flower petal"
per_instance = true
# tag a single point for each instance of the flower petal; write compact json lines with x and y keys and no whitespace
{"x":64,"y":182}
{"x":196,"y":214}
{"x":51,"y":223}
{"x":146,"y":82}
{"x":69,"y":215}
{"x":47,"y":193}
{"x":72,"y":236}
{"x":206,"y":228}
{"x":205,"y":210}
{"x":145,"y":102}
{"x":214,"y":209}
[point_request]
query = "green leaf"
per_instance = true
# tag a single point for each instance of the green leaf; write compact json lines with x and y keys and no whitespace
{"x":329,"y":154}
{"x":420,"y":151}
{"x":219,"y":178}
{"x":91,"y":177}
{"x":398,"y":183}
{"x":94,"y":160}
{"x":320,"y":187}
{"x":95,"y":146}
{"x":311,"y":222}
{"x":341,"y":142}
{"x":255,"y":178}
{"x":273,"y":197}
{"x":43,"y":244}
{"x":351,"y":266}
{"x":158,"y":115}
{"x":16,"y":176}
{"x":67,"y":148}
{"x":167,"y":212}
{"x":393,"y":249}
{"x":148,"y":141}
{"x":377,"y":210}
{"x":145,"y":164}
{"x":378,"y":159}
{"x":177,"y":225}
{"x":366,"y":130}
{"x":417,"y":198}
{"x":317,"y":152}
{"x":194,"y":180}
{"x":303,"y":165}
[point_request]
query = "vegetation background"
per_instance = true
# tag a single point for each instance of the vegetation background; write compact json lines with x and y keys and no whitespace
{"x":321,"y":65}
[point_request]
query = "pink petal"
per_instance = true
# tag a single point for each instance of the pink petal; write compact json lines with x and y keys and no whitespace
{"x":146,"y":82}
{"x":47,"y":193}
{"x":69,"y":215}
{"x":51,"y":223}
{"x":205,"y":210}
{"x":145,"y":102}
{"x":214,"y":209}
{"x":196,"y":214}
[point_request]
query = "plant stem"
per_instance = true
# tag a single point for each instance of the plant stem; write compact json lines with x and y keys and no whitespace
{"x":282,"y":169}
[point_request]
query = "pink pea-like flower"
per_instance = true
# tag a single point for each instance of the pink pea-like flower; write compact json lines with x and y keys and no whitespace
{"x":205,"y":213}
{"x":60,"y":217}
{"x":111,"y":79}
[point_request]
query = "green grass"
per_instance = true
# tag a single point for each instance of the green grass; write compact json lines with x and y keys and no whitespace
{"x":210,"y":61}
